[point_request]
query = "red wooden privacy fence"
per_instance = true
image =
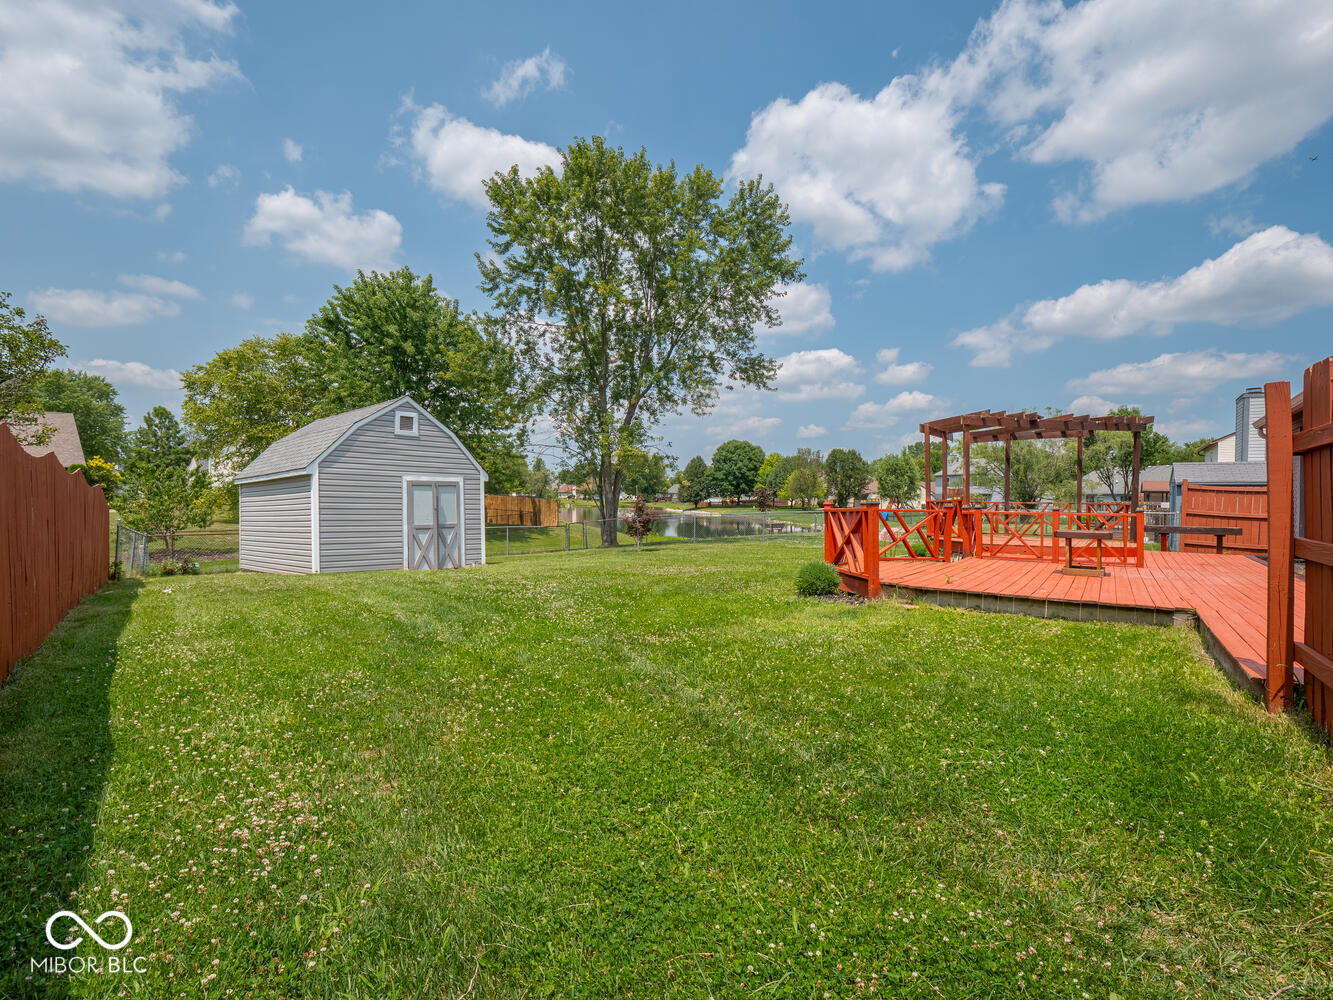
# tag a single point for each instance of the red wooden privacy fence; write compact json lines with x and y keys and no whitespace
{"x":1244,"y":507}
{"x":1312,"y":443}
{"x":53,"y":547}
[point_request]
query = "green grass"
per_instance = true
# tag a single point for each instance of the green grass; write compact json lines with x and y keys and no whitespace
{"x":655,"y":774}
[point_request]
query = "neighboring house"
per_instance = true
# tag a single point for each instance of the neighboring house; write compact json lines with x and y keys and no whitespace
{"x":673,"y":492}
{"x":220,"y":471}
{"x":63,"y":441}
{"x":1153,"y":485}
{"x":381,"y":487}
{"x":1221,"y":449}
{"x":567,"y":492}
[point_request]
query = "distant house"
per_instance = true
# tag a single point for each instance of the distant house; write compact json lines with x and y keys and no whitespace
{"x":62,"y":441}
{"x":381,"y":487}
{"x":567,"y":491}
{"x":1221,"y":449}
{"x":673,"y":492}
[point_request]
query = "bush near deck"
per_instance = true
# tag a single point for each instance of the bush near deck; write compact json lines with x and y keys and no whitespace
{"x":650,"y":774}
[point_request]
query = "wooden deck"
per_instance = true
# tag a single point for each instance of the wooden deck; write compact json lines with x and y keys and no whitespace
{"x":1226,"y":594}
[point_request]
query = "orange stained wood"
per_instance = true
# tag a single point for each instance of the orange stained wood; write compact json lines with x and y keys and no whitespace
{"x":1229,"y":593}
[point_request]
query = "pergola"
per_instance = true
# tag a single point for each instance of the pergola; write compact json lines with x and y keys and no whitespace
{"x":991,"y":426}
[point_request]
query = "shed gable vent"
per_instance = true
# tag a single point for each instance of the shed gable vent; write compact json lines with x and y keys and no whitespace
{"x":405,"y":423}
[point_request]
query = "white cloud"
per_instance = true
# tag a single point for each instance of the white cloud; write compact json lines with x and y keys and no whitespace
{"x":804,"y":309}
{"x":161,"y":287}
{"x":325,"y":229}
{"x":226,"y":177}
{"x":292,"y":150}
{"x":1267,"y":277}
{"x":241,"y":300}
{"x":521,"y":76}
{"x":883,"y":179}
{"x":1187,"y":430}
{"x":1184,"y":373}
{"x":1161,"y":101}
{"x":809,"y":432}
{"x":90,"y":92}
{"x":455,"y":156}
{"x":895,"y":373}
{"x":804,"y":376}
{"x":1092,"y":405}
{"x":87,"y":307}
{"x":755,"y":426}
{"x":171,"y":257}
{"x":134,"y":373}
{"x":873,"y":416}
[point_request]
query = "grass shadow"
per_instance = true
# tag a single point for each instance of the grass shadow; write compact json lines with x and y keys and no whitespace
{"x":55,"y":751}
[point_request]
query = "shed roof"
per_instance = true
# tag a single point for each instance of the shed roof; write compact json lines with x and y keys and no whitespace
{"x":295,"y":453}
{"x":64,"y":440}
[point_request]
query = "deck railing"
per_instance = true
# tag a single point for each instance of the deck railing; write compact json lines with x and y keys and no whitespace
{"x":857,"y":539}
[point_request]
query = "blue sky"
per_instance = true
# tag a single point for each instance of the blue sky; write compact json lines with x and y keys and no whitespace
{"x":1023,"y":205}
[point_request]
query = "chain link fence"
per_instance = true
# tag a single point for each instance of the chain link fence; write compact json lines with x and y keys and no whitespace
{"x":668,"y":528}
{"x":205,"y":551}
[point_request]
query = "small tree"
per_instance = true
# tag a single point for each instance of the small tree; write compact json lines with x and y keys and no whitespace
{"x":764,"y":498}
{"x":848,"y":475}
{"x":638,"y":522}
{"x":166,"y":501}
{"x":540,"y":482}
{"x":694,"y":488}
{"x":805,"y":485}
{"x":898,"y":477}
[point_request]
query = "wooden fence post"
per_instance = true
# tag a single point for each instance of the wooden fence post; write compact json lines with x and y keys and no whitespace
{"x":1279,"y":684}
{"x":870,"y":547}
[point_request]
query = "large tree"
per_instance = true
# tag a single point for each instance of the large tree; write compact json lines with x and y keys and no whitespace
{"x":694,"y":488}
{"x":390,"y":335}
{"x":160,"y":442}
{"x":736,"y":466}
{"x":805,"y":483}
{"x":27,"y":349}
{"x":1039,"y":470}
{"x":247,"y":396}
{"x":898,"y":478}
{"x":94,"y":402}
{"x":848,"y":475}
{"x":632,"y":291}
{"x":645,"y":473}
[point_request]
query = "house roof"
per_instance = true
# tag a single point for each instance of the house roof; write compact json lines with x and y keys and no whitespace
{"x":1222,"y":438}
{"x":1221,"y":473}
{"x":64,"y":440}
{"x":295,"y":453}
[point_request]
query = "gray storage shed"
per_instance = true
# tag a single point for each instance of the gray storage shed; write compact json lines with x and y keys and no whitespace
{"x":382,"y":487}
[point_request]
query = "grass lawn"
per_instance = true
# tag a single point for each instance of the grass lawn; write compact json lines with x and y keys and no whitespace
{"x":655,"y":774}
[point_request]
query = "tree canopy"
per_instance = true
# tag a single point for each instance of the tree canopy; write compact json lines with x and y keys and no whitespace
{"x":848,"y":475}
{"x":95,"y":404}
{"x":27,"y":349}
{"x":632,"y":291}
{"x":898,"y":479}
{"x":735,"y":468}
{"x":694,"y":488}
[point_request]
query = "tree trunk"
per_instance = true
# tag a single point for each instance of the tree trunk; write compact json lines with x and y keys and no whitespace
{"x":609,"y":499}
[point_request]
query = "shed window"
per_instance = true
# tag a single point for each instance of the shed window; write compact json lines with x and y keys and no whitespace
{"x":405,"y":423}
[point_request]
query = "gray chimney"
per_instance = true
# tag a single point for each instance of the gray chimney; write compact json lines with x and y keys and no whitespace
{"x":1249,"y":408}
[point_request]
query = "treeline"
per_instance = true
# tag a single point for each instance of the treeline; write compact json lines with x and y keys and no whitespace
{"x":741,"y":469}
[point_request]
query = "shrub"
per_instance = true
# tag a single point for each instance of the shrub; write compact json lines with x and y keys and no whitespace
{"x":815,"y":579}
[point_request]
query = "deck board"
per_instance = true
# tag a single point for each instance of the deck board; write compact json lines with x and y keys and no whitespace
{"x":1227,"y":592}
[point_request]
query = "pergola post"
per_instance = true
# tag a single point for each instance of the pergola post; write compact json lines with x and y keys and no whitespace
{"x":925,"y":430}
{"x":1134,"y":478}
{"x":1007,"y":462}
{"x":1078,"y":495}
{"x":967,"y":466}
{"x":944,"y":466}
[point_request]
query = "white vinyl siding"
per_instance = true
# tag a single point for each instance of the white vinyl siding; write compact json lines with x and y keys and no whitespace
{"x":361,"y":493}
{"x":275,"y":525}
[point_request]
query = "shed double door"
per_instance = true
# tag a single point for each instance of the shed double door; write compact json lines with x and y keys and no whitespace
{"x":434,"y":525}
